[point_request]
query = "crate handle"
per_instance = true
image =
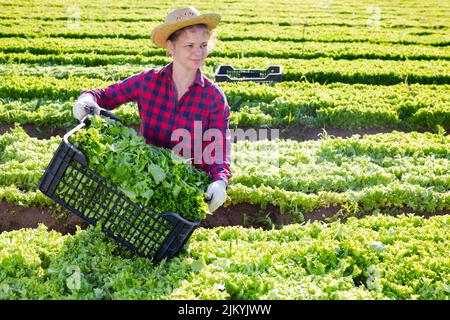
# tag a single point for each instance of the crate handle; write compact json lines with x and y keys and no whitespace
{"x":110,"y":115}
{"x":106,"y":113}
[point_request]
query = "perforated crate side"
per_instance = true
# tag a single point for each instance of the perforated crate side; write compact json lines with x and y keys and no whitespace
{"x":69,"y":182}
{"x":226,"y":73}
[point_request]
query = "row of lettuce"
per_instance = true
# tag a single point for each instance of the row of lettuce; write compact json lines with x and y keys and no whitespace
{"x":27,"y":28}
{"x":228,"y":49}
{"x":394,"y":171}
{"x":322,"y":70}
{"x":395,"y":22}
{"x":45,"y":96}
{"x":310,"y":12}
{"x":382,"y":257}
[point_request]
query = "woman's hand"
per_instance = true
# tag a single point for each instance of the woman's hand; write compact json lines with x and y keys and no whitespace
{"x":216,"y":193}
{"x":81,"y":108}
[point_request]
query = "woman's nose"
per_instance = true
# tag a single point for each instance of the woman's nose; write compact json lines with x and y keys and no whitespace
{"x":198,"y":51}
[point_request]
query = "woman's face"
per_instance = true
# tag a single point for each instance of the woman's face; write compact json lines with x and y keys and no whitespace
{"x":190,"y":49}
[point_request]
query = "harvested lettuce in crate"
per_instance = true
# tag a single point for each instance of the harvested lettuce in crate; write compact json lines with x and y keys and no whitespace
{"x":149,"y":175}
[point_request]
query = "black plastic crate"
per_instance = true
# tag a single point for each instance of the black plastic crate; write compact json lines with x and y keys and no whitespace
{"x":226,"y":73}
{"x":70,"y":182}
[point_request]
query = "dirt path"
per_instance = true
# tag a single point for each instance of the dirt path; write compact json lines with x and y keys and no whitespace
{"x":296,"y":133}
{"x":13,"y":217}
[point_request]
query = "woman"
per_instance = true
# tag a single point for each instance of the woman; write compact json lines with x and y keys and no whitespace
{"x":177,"y":101}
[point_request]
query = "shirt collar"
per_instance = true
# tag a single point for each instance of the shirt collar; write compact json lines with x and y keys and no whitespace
{"x":199,"y":79}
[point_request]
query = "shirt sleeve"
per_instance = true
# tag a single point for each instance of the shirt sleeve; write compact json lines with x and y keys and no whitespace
{"x":219,"y":168}
{"x":118,"y":93}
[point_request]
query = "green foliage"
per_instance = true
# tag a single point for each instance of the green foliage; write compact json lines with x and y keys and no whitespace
{"x":337,"y":105}
{"x":377,"y":257}
{"x":390,"y":170}
{"x":395,"y":170}
{"x":338,"y":72}
{"x":151,"y":176}
{"x":23,"y":160}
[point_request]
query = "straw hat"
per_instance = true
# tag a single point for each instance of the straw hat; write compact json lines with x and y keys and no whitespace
{"x":181,"y":18}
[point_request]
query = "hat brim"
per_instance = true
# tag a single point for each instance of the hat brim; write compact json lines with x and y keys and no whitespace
{"x":162,"y":32}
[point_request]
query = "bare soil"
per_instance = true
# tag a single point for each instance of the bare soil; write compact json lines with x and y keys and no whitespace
{"x":13,"y":217}
{"x":34,"y":131}
{"x":296,"y":133}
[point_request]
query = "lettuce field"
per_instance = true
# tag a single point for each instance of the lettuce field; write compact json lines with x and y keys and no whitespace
{"x":347,"y":198}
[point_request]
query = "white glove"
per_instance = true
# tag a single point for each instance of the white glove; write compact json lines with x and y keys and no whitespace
{"x":85,"y":100}
{"x":216,"y":193}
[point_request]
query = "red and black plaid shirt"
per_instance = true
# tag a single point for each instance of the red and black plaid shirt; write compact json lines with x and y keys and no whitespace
{"x":202,"y":107}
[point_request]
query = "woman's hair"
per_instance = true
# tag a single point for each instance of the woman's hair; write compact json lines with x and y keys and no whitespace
{"x":212,"y":36}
